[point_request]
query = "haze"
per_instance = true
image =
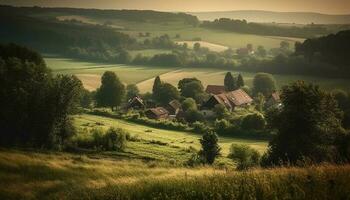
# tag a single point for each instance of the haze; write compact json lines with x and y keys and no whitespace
{"x":320,"y":6}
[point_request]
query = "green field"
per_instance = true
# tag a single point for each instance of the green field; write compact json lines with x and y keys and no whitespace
{"x":188,"y":32}
{"x":176,"y":144}
{"x":90,"y":72}
{"x":216,"y":76}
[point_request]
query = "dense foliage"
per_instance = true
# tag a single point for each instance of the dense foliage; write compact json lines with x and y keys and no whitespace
{"x":35,"y":105}
{"x":308,"y":126}
{"x":111,"y":92}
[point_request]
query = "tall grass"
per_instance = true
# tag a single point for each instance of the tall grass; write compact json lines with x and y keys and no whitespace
{"x":28,"y":175}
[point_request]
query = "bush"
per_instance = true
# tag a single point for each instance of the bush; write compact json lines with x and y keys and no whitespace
{"x":245,"y":156}
{"x":254,"y":122}
{"x":195,"y":160}
{"x":199,"y":127}
{"x":114,"y":139}
{"x":210,"y":147}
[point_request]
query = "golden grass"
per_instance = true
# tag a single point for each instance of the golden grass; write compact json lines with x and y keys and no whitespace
{"x":209,"y":45}
{"x":45,"y":175}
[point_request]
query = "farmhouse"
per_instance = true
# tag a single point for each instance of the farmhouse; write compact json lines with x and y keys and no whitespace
{"x":136,"y":103}
{"x":173,"y":107}
{"x":273,"y":100}
{"x":230,"y":100}
{"x":157,"y":113}
{"x":215,"y":89}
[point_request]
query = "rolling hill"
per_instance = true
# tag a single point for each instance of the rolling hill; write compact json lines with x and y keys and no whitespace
{"x":277,"y":17}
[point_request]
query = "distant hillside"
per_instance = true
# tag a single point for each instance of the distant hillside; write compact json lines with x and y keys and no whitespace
{"x":129,"y":15}
{"x":278,"y":17}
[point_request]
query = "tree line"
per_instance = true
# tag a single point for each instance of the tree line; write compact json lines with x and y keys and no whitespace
{"x":242,"y":26}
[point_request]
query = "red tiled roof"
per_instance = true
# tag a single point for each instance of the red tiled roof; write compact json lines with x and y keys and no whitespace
{"x":215,"y":89}
{"x":234,"y":98}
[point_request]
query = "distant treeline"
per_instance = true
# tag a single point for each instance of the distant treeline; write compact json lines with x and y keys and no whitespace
{"x":94,"y":41}
{"x":242,"y":26}
{"x":130,"y":15}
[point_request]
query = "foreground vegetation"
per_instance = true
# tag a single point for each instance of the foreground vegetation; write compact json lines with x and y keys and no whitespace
{"x":45,"y":175}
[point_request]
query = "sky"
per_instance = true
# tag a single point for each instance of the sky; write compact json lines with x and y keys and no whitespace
{"x":320,"y":6}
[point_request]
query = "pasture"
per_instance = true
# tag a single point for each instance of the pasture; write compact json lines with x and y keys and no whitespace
{"x":186,"y":32}
{"x":143,"y":76}
{"x":216,"y":76}
{"x":174,"y":145}
{"x":90,"y":72}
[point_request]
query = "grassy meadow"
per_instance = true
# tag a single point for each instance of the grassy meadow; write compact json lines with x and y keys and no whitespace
{"x":51,"y":175}
{"x":186,"y":32}
{"x":90,"y":74}
{"x":160,"y":144}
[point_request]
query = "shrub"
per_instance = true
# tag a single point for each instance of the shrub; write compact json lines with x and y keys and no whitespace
{"x":254,"y":121}
{"x":221,"y":125}
{"x":210,"y":147}
{"x":193,"y":115}
{"x":195,"y":160}
{"x":245,"y":156}
{"x":112,"y":140}
{"x":199,"y":127}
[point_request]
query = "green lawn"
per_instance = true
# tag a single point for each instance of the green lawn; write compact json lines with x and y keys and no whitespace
{"x":176,"y":143}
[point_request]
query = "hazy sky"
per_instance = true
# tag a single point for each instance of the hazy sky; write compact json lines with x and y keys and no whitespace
{"x":322,"y":6}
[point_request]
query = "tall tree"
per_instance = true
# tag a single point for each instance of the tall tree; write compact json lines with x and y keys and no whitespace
{"x":111,"y":92}
{"x":156,"y":84}
{"x":240,"y":81}
{"x":165,"y":93}
{"x":191,"y":87}
{"x":308,"y":125}
{"x":35,"y":106}
{"x":230,"y":82}
{"x":263,"y":83}
{"x":210,"y":147}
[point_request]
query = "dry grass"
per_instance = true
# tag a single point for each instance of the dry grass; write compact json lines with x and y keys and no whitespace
{"x":211,"y":46}
{"x":34,"y":175}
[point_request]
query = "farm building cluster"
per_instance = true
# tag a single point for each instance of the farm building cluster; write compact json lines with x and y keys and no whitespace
{"x":231,"y":100}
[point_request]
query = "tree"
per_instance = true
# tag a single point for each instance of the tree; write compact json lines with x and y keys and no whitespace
{"x":343,"y":100}
{"x":253,"y":122}
{"x":156,"y":84}
{"x":85,"y":99}
{"x":111,"y":91}
{"x":244,"y":155}
{"x":189,"y":104}
{"x":240,"y":81}
{"x":210,"y":147}
{"x":261,"y":51}
{"x":229,"y":82}
{"x":308,"y":126}
{"x":35,"y":105}
{"x":264,"y":83}
{"x":131,"y":91}
{"x":191,"y":87}
{"x":196,"y":46}
{"x":165,"y":93}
